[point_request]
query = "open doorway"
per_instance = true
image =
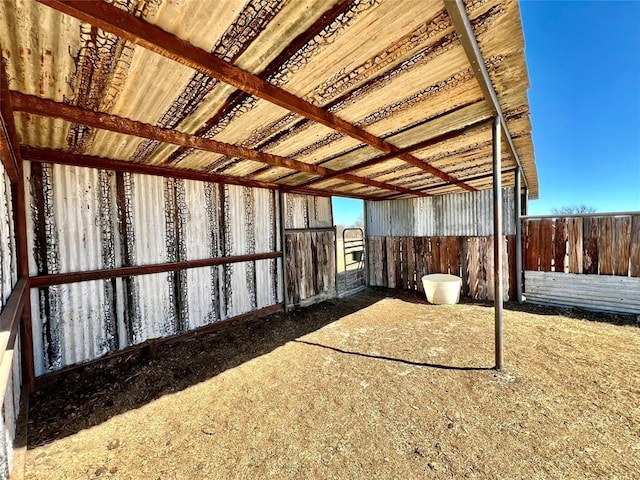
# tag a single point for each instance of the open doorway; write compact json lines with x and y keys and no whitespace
{"x":348,"y":215}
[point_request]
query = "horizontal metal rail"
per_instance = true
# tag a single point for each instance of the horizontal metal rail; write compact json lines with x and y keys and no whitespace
{"x":74,"y":277}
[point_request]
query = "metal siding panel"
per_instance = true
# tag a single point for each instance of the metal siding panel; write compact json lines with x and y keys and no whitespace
{"x":296,"y":211}
{"x":378,"y":219}
{"x":76,"y":210}
{"x":240,"y":296}
{"x":8,"y":270}
{"x":148,"y":213}
{"x":156,"y":311}
{"x":401,"y":217}
{"x":10,"y":411}
{"x":81,"y":200}
{"x":425,"y":216}
{"x":319,"y":209}
{"x":591,"y":292}
{"x":508,"y":210}
{"x":201,"y":238}
{"x":484,"y":213}
{"x":202,"y":296}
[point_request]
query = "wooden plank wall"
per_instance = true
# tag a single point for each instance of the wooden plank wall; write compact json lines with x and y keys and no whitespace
{"x":311,"y":266}
{"x":400,"y":262}
{"x":606,"y":245}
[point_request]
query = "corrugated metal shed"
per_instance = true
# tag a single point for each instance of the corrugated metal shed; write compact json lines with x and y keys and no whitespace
{"x":461,"y":214}
{"x":410,"y":81}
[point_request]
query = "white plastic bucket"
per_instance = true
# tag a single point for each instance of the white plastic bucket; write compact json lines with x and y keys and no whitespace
{"x":442,"y":288}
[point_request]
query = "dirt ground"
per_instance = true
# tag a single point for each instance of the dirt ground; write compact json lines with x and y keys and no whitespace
{"x":378,"y":385}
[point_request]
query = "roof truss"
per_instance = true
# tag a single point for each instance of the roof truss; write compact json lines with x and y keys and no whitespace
{"x":153,"y":38}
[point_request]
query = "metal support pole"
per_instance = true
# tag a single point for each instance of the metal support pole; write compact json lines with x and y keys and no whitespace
{"x":498,"y":245}
{"x":518,"y":209}
{"x":283,"y":249}
{"x":366,"y":245}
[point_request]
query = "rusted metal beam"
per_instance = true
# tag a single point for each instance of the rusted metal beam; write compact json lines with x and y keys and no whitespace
{"x":63,"y":158}
{"x":8,"y":137}
{"x":468,"y":179}
{"x":113,"y":123}
{"x":239,"y":96}
{"x":153,"y":38}
{"x":410,"y":149}
{"x":74,"y":277}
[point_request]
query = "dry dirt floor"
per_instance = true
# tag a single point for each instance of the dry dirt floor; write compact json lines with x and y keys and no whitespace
{"x":378,"y":385}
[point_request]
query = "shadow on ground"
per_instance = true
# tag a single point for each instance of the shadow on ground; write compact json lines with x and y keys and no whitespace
{"x":96,"y":392}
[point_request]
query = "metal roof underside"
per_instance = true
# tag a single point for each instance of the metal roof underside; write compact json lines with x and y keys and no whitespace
{"x":364,"y":98}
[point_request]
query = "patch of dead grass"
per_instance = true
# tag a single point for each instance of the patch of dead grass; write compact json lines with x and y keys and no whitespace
{"x":396,"y":389}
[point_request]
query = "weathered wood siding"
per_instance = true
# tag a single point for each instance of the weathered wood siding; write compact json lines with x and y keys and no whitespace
{"x":604,"y":245}
{"x":310,"y":249}
{"x":87,"y":219}
{"x":400,"y":262}
{"x":459,"y":214}
{"x":590,"y":262}
{"x":311,"y":267}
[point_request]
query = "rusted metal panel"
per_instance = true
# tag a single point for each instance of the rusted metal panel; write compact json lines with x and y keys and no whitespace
{"x":86,"y":219}
{"x":8,"y":256}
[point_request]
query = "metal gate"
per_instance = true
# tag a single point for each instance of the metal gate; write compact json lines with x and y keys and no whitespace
{"x":354,"y":260}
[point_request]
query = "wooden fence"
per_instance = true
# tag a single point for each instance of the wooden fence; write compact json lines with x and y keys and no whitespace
{"x":605,"y":245}
{"x":400,"y":262}
{"x":311,"y":265}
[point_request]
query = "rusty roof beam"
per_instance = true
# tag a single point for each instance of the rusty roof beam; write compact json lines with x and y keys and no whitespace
{"x":410,"y":149}
{"x":64,"y":158}
{"x":105,"y":121}
{"x":9,"y":154}
{"x":238,"y":96}
{"x":153,"y":38}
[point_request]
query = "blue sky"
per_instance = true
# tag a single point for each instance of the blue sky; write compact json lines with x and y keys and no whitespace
{"x":584,"y":69}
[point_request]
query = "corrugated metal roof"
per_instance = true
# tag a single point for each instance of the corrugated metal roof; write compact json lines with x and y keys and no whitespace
{"x":394,"y":69}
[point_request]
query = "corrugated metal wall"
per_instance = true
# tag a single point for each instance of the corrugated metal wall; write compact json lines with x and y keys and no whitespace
{"x":86,"y":219}
{"x":305,"y":211}
{"x":459,"y":214}
{"x":8,"y":268}
{"x":605,"y":293}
